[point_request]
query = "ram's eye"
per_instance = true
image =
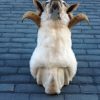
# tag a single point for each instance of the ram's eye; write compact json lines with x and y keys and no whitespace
{"x":64,"y":4}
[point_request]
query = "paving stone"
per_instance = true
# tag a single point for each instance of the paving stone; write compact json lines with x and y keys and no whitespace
{"x":11,"y":35}
{"x":85,"y":71}
{"x":26,"y":56}
{"x":46,"y":97}
{"x":14,"y":96}
{"x":71,"y":89}
{"x":8,"y":70}
{"x":29,"y":88}
{"x":7,"y":30}
{"x":2,"y":50}
{"x":85,"y":46}
{"x":98,"y":88}
{"x":82,"y":80}
{"x":94,"y":64}
{"x":29,"y":45}
{"x":26,"y":30}
{"x":4,"y":40}
{"x":92,"y":40}
{"x":32,"y":80}
{"x":22,"y":40}
{"x":82,"y":35}
{"x":17,"y":63}
{"x":88,"y":89}
{"x":99,"y":46}
{"x":2,"y":63}
{"x":15,"y":78}
{"x":20,"y":50}
{"x":89,"y":57}
{"x":77,"y":40}
{"x":83,"y":64}
{"x":81,"y":97}
{"x":10,"y":45}
{"x":6,"y":87}
{"x":97,"y":79}
{"x":9,"y":56}
{"x":78,"y":51}
{"x":24,"y":70}
{"x":95,"y":52}
{"x":96,"y":71}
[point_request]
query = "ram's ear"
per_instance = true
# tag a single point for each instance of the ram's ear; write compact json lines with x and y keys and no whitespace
{"x":39,"y":6}
{"x":72,"y":7}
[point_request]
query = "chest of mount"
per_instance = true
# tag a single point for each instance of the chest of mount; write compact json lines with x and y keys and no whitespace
{"x":56,"y":38}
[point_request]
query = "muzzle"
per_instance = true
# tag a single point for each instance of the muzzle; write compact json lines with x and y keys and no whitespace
{"x":55,"y":9}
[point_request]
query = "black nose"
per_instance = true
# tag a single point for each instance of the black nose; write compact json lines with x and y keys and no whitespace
{"x":55,"y":6}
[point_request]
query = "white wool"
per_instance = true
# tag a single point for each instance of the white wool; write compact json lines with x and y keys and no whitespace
{"x":53,"y":52}
{"x":54,"y":46}
{"x":47,"y":16}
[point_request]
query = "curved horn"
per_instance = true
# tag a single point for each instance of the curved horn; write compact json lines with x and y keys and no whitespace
{"x":39,"y":6}
{"x":31,"y":15}
{"x":80,"y":17}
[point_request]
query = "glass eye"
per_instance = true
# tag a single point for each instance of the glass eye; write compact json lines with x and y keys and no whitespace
{"x":64,"y":3}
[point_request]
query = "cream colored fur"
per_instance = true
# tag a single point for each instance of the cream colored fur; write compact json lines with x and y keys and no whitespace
{"x":53,"y":62}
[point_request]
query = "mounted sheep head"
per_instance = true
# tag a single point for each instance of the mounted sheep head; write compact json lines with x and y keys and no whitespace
{"x":55,"y":7}
{"x":54,"y":70}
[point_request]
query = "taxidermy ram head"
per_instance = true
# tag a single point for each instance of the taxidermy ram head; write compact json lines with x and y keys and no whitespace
{"x":53,"y":52}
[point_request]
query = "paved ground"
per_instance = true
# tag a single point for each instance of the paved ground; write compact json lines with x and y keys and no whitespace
{"x":18,"y":40}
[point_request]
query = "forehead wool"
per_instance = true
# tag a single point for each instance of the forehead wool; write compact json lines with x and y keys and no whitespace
{"x":49,"y":1}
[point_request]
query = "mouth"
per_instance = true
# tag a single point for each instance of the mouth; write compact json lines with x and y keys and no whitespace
{"x":55,"y":9}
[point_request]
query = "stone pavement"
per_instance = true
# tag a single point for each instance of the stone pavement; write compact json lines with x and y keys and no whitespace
{"x":18,"y":40}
